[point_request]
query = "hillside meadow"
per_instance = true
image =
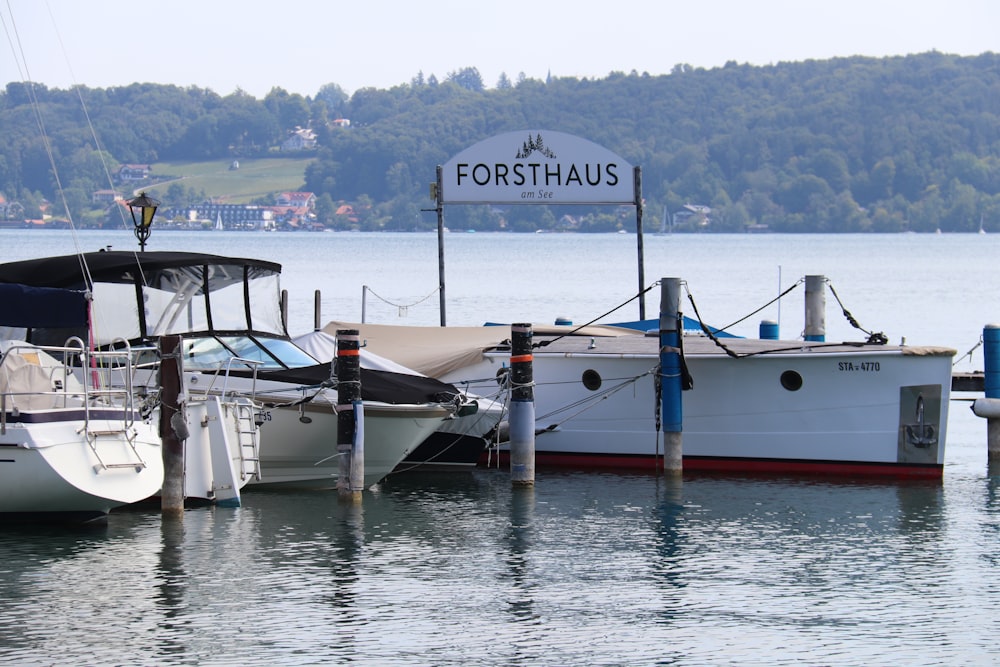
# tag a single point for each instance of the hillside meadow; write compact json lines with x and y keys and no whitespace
{"x":255,"y":177}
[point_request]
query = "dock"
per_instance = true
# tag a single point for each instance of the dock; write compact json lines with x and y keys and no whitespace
{"x":974,"y":382}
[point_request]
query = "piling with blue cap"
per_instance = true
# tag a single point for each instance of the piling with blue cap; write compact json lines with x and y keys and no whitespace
{"x":991,"y":360}
{"x":670,"y":374}
{"x":991,"y":387}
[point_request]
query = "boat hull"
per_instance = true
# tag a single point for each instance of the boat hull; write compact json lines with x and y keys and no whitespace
{"x":47,"y":472}
{"x":303,"y":452}
{"x":840,"y":410}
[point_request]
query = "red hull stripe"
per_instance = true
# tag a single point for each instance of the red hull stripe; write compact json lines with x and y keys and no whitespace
{"x":729,"y":465}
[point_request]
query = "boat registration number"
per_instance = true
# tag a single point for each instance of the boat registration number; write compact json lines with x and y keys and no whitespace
{"x":859,"y":366}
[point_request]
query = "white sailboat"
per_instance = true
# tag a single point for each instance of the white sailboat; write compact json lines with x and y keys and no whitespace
{"x":71,"y":448}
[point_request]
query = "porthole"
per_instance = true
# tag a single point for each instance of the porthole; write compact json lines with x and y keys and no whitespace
{"x":791,"y":380}
{"x":591,"y":379}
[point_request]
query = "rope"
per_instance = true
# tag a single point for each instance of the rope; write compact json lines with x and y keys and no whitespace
{"x":874,"y":338}
{"x":402,"y":306}
{"x":969,"y":353}
{"x":589,"y":402}
{"x":708,"y":332}
{"x":599,"y":317}
{"x":774,"y":300}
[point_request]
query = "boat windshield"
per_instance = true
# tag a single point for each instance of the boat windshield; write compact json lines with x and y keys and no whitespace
{"x":215,"y":352}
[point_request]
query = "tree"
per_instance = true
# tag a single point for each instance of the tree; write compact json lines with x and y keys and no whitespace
{"x":336,"y":99}
{"x":468,"y":78}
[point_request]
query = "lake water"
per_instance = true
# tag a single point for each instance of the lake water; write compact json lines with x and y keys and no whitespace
{"x":586,"y":568}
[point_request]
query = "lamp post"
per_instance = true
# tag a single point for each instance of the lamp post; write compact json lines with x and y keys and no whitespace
{"x":143,"y":220}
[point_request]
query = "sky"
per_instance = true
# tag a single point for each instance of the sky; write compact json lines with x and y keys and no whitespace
{"x":302,"y":45}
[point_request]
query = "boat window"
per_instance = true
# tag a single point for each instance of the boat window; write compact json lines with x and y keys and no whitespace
{"x":591,"y":379}
{"x":211,"y":352}
{"x":206,"y":354}
{"x":290,"y":354}
{"x":791,"y":380}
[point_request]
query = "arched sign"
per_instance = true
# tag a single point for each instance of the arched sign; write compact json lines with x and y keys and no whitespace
{"x":537,"y":167}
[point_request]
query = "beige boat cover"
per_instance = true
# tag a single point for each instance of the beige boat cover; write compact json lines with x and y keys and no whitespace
{"x":436,"y":351}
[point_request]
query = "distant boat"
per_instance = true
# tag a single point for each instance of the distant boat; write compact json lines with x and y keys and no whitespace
{"x":218,"y":222}
{"x":981,"y":230}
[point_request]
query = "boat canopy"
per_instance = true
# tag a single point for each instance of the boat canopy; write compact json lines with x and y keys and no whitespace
{"x":146,"y":295}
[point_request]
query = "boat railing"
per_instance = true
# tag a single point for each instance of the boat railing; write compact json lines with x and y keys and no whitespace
{"x":49,"y":377}
{"x":224,"y":372}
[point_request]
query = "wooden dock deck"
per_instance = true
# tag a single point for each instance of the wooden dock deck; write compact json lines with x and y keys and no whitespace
{"x":974,"y":382}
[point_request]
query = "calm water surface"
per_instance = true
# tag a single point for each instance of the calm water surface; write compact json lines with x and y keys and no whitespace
{"x":584,"y":569}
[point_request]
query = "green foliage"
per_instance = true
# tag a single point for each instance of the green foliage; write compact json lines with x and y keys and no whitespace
{"x":843,"y":145}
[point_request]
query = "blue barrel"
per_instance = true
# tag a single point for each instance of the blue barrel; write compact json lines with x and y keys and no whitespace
{"x":991,"y":360}
{"x":768,"y":330}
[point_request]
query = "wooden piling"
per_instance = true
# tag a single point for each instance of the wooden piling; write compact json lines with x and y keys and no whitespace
{"x":350,"y":427}
{"x":522,"y":407}
{"x":670,"y":375}
{"x":172,"y":445}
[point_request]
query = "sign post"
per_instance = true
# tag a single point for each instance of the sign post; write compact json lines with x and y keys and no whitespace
{"x":538,"y":167}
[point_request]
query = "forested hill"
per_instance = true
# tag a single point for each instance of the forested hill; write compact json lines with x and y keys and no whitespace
{"x":841,"y":145}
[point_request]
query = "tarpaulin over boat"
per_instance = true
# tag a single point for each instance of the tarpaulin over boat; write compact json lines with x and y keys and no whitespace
{"x":381,"y":386}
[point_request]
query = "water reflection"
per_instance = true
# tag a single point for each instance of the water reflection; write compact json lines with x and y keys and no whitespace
{"x":462,"y":568}
{"x":520,"y":603}
{"x":169,"y":589}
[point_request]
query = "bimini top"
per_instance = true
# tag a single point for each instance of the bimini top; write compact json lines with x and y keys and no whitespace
{"x":145,"y":295}
{"x":112,"y":266}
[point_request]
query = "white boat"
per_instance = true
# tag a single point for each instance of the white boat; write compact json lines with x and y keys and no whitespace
{"x":70,"y":450}
{"x":788,"y":407}
{"x":778,"y":407}
{"x":228,"y":312}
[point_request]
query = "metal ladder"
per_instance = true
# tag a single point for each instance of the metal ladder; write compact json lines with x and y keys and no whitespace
{"x":248,"y":433}
{"x":109,"y":396}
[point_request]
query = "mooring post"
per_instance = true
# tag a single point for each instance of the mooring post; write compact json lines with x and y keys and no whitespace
{"x":350,"y":416}
{"x":172,"y":426}
{"x":522,"y":407}
{"x":670,"y":374}
{"x":768,"y":330}
{"x":317,"y":305}
{"x":989,"y":406}
{"x":815,"y":308}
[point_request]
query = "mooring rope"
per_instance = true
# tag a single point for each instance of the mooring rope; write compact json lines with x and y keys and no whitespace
{"x":588,"y":402}
{"x":873,"y":339}
{"x":878,"y":338}
{"x":599,"y":317}
{"x":749,"y":315}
